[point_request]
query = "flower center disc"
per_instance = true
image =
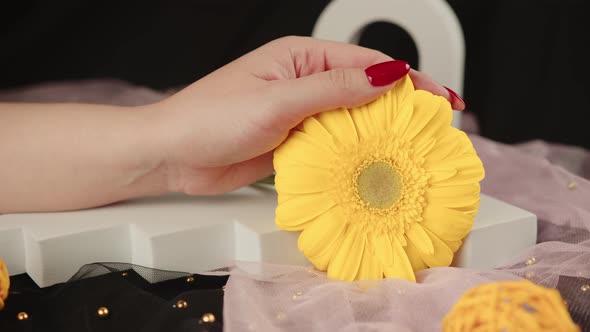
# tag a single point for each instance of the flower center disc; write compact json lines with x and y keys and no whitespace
{"x":379,"y":185}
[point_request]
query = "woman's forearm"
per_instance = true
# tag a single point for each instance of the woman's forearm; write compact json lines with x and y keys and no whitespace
{"x":72,"y":156}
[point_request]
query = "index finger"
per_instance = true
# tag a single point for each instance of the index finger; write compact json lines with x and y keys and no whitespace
{"x":304,"y":56}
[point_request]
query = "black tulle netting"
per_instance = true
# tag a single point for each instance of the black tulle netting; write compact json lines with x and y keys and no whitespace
{"x":136,"y":298}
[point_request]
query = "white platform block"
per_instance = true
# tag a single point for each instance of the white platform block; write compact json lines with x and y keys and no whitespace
{"x":196,"y":234}
{"x":500,"y":232}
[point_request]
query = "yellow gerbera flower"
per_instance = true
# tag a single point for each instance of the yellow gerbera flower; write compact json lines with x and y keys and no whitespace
{"x":381,"y":190}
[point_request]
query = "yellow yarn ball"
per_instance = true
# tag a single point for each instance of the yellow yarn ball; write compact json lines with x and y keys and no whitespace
{"x":512,"y":306}
{"x":4,"y":283}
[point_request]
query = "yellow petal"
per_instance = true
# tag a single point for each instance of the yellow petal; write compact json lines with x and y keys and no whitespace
{"x":469,"y":170}
{"x":454,"y":135}
{"x":467,"y":190}
{"x":470,"y":209}
{"x":321,"y":233}
{"x":398,"y":95}
{"x":381,"y":113}
{"x":425,"y":108}
{"x":283,"y":197}
{"x":439,"y":124}
{"x":461,"y":162}
{"x":340,"y":125}
{"x":384,"y":250}
{"x":386,"y":109}
{"x":363,"y":122}
{"x":443,"y":255}
{"x":303,"y":180}
{"x":293,"y":214}
{"x":453,"y":142}
{"x":445,"y":196}
{"x":477,"y":173}
{"x":322,"y":260}
{"x":441,"y":174}
{"x":401,"y":238}
{"x":389,"y":109}
{"x":454,"y":191}
{"x":461,"y":178}
{"x":424,"y":149}
{"x":347,"y":259}
{"x":447,"y":224}
{"x":404,"y":115}
{"x":306,"y":140}
{"x":402,"y":267}
{"x":314,"y":128}
{"x":454,"y":245}
{"x":370,"y":267}
{"x":414,"y":258}
{"x":301,"y":150}
{"x":420,"y":239}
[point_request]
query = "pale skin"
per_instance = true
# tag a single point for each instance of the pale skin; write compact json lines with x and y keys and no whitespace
{"x":214,"y":136}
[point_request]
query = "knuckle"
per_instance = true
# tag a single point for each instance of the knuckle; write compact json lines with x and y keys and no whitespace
{"x":290,"y":40}
{"x":276,"y":108}
{"x":339,"y":79}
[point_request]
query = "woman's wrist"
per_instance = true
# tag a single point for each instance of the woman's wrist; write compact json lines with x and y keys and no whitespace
{"x":150,"y":171}
{"x":177,"y":142}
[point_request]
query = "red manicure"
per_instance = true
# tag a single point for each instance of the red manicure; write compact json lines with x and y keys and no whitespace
{"x":385,"y":73}
{"x":456,"y":98}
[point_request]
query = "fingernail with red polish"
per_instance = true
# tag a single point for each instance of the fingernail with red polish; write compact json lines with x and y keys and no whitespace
{"x":456,"y":97}
{"x":385,"y":73}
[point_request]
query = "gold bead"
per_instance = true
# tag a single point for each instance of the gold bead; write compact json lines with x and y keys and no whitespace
{"x":208,"y":318}
{"x":190,"y":279}
{"x":124,"y":274}
{"x":102,"y":312}
{"x":529,"y":274}
{"x":281,"y":316}
{"x":531,"y":261}
{"x":585,"y":288}
{"x":572,"y":185}
{"x":22,"y":316}
{"x":297,"y":294}
{"x":180,"y":304}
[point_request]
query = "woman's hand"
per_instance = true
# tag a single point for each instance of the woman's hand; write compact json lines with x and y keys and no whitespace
{"x":220,"y":131}
{"x":214,"y":136}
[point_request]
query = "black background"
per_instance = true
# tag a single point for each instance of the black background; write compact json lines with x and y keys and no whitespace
{"x":526,"y":64}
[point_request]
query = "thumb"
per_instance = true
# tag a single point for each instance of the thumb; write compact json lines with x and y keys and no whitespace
{"x":341,"y":87}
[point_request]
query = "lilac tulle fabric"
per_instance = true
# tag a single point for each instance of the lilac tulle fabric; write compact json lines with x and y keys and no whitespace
{"x":549,"y":180}
{"x":533,"y":176}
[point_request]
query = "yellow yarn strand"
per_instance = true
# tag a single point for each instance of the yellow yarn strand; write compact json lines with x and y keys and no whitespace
{"x":4,"y":283}
{"x":514,"y":306}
